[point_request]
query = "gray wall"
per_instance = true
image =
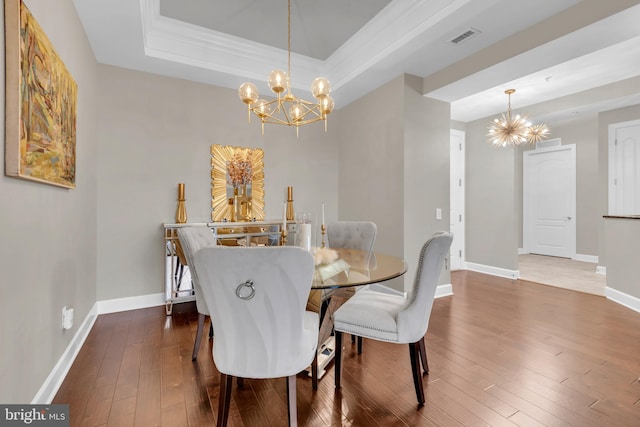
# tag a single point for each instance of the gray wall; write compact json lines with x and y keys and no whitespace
{"x":155,"y":132}
{"x":370,"y":163}
{"x":48,"y":251}
{"x":394,"y":168}
{"x":490,"y":203}
{"x":426,"y":172}
{"x":622,"y":246}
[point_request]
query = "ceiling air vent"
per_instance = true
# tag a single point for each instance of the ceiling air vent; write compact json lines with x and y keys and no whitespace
{"x":471,"y":32}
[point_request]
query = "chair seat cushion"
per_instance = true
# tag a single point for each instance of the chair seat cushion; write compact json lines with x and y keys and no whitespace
{"x":370,"y":314}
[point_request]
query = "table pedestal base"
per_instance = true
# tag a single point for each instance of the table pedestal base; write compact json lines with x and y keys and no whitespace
{"x":326,"y":353}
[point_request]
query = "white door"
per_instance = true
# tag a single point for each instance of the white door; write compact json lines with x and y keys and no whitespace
{"x":624,"y":168}
{"x":456,"y":199}
{"x":549,"y":201}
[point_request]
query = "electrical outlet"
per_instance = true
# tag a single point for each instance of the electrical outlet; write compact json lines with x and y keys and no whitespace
{"x":438,"y":213}
{"x":67,"y":318}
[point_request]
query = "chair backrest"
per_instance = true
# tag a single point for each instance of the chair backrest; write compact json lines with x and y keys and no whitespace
{"x":262,"y":336}
{"x":414,"y":319}
{"x":192,"y":239}
{"x":352,"y":235}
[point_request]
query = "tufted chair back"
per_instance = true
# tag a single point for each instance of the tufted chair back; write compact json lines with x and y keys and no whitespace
{"x":352,"y":235}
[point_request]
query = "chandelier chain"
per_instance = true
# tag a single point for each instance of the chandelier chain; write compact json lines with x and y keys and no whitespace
{"x":289,"y":43}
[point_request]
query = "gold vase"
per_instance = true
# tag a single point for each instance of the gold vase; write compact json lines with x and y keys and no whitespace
{"x":235,"y":206}
{"x":181,"y":211}
{"x":290,"y":212}
{"x":242,"y":203}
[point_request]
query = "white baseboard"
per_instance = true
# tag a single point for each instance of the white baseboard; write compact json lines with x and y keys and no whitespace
{"x":444,"y":290}
{"x":385,"y":289}
{"x":130,"y":303}
{"x":494,"y":271}
{"x":621,"y":298}
{"x":601,"y":270}
{"x":57,"y":375}
{"x":441,"y":291}
{"x":521,"y":251}
{"x":53,"y":382}
{"x":586,"y":258}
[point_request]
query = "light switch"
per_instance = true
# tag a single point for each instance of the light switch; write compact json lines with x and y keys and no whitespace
{"x":438,"y":213}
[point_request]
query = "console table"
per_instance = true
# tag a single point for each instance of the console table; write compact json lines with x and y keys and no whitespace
{"x":177,"y":279}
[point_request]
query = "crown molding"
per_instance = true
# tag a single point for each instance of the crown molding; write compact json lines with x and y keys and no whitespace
{"x":389,"y":34}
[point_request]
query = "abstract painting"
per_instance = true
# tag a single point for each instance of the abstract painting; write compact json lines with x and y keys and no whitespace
{"x":41,"y":99}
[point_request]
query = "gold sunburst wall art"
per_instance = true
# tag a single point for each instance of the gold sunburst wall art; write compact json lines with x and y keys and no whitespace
{"x":41,"y":99}
{"x":237,"y":183}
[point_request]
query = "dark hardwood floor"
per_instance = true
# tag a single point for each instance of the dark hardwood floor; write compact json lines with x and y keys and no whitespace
{"x":501,"y":352}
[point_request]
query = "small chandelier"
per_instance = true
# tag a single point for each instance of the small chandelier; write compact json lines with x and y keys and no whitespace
{"x":510,"y":131}
{"x":287,"y":109}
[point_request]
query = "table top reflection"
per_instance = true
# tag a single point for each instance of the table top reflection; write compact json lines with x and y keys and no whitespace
{"x":356,"y":267}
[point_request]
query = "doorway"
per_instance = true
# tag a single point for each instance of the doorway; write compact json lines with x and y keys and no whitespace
{"x":549,"y":201}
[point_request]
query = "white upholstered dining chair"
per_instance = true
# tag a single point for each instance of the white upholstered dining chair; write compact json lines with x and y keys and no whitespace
{"x":257,"y":297}
{"x":352,"y":235}
{"x":397,"y":319}
{"x":193,"y":238}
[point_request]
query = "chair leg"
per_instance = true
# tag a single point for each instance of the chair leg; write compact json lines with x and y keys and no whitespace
{"x":338,"y":357}
{"x":196,"y":345}
{"x":423,"y":357}
{"x":226,"y":383}
{"x":353,"y":339}
{"x":359,"y":345}
{"x":314,"y":372}
{"x":291,"y":400}
{"x":175,"y":273}
{"x":414,"y":353}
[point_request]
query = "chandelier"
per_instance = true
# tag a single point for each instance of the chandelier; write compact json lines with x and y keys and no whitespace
{"x":509,"y":131}
{"x":286,"y":108}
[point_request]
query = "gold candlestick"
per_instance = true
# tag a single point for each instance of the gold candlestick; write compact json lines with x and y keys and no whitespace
{"x":290,"y":213}
{"x":283,"y":237}
{"x":181,"y":211}
{"x":323,"y":229}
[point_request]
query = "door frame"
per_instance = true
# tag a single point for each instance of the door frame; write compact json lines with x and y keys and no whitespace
{"x":526,"y":199}
{"x":457,"y":197}
{"x":613,"y":208}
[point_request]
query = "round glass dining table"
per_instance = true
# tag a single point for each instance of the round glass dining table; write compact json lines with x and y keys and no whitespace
{"x":355,"y":267}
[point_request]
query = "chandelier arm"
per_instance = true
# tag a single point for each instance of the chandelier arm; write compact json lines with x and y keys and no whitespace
{"x":287,"y":109}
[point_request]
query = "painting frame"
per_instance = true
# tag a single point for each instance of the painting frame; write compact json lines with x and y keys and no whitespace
{"x":40,"y":104}
{"x":221,"y":190}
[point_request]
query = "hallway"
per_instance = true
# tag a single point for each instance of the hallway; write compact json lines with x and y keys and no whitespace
{"x":562,"y":272}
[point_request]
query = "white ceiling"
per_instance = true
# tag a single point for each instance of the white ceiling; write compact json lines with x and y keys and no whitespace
{"x":564,"y":57}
